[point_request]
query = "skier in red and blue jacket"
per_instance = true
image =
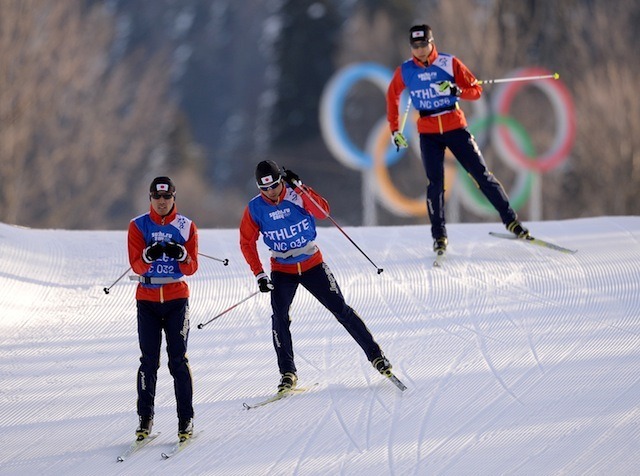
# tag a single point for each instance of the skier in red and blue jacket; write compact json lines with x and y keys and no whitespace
{"x":163,"y":248}
{"x":436,"y":82}
{"x":286,"y":218}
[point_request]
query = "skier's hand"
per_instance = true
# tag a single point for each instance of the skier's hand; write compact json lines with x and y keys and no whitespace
{"x":399,"y":141}
{"x":447,"y":88}
{"x":291,"y":178}
{"x":264,"y":283}
{"x":152,"y":252}
{"x":176,"y":251}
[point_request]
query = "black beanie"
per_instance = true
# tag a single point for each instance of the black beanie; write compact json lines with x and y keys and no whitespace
{"x":420,"y":34}
{"x":267,"y":172}
{"x":162,"y":184}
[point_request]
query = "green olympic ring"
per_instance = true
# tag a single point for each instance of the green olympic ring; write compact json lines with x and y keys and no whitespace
{"x":474,"y":199}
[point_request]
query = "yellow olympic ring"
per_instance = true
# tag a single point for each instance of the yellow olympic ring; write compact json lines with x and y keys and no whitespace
{"x":386,"y":191}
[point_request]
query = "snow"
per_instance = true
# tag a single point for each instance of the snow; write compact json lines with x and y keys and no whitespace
{"x":518,"y":359}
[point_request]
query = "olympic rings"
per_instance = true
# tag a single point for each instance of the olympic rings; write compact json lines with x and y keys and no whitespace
{"x":331,"y":108}
{"x":512,"y":143}
{"x":563,"y":111}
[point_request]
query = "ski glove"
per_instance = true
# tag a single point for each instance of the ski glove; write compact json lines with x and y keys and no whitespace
{"x":447,"y":88}
{"x":264,"y":283}
{"x":399,"y":141}
{"x":291,"y":177}
{"x":152,"y":252}
{"x":176,"y":251}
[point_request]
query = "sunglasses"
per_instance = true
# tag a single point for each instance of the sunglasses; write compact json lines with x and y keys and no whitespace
{"x":158,"y":195}
{"x":419,"y":44}
{"x":271,"y":186}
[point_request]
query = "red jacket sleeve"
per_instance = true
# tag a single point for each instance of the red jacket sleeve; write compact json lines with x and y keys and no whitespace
{"x":466,"y":81}
{"x":190,"y":265}
{"x":320,"y":212}
{"x":249,"y":233}
{"x":396,"y":86}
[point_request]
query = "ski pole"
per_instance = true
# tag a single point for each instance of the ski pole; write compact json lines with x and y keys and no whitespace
{"x":202,"y":324}
{"x":106,"y":290}
{"x":406,"y":115}
{"x":223,"y":261}
{"x":299,"y":185}
{"x":522,"y":78}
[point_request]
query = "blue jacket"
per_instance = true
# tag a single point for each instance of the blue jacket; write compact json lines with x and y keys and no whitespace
{"x":421,"y":83}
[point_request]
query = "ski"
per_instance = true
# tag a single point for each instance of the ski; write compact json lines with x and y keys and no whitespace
{"x":440,"y":256}
{"x":136,"y":445}
{"x":534,"y":241}
{"x":396,"y":381}
{"x":179,"y":446}
{"x":277,"y":396}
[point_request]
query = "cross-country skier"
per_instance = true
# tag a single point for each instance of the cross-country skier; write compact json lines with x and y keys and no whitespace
{"x":163,"y":248}
{"x":436,"y":83}
{"x":286,"y":218}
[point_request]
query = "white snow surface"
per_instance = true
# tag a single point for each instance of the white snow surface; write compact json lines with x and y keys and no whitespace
{"x":518,"y":359}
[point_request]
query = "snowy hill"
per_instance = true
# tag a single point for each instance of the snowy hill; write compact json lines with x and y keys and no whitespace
{"x":518,"y":359}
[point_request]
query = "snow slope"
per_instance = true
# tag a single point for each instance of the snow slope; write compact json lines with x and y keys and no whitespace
{"x":518,"y":359}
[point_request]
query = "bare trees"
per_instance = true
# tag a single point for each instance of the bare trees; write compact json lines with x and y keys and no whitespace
{"x":77,"y":127}
{"x":82,"y":126}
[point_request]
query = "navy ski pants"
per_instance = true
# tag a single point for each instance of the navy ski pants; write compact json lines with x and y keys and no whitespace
{"x":321,"y":283}
{"x":172,"y":317}
{"x":463,"y":146}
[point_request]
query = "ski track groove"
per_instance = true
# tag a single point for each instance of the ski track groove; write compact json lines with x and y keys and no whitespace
{"x":300,"y":461}
{"x":478,"y":306}
{"x":345,"y":428}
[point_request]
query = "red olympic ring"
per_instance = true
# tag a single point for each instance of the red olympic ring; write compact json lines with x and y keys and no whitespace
{"x":563,"y":108}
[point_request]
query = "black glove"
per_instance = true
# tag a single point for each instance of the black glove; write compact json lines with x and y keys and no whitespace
{"x":264,"y":283}
{"x":176,"y":251}
{"x":152,"y":252}
{"x":290,"y":177}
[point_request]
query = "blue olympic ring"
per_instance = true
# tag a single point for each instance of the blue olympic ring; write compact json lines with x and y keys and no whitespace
{"x":332,"y":123}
